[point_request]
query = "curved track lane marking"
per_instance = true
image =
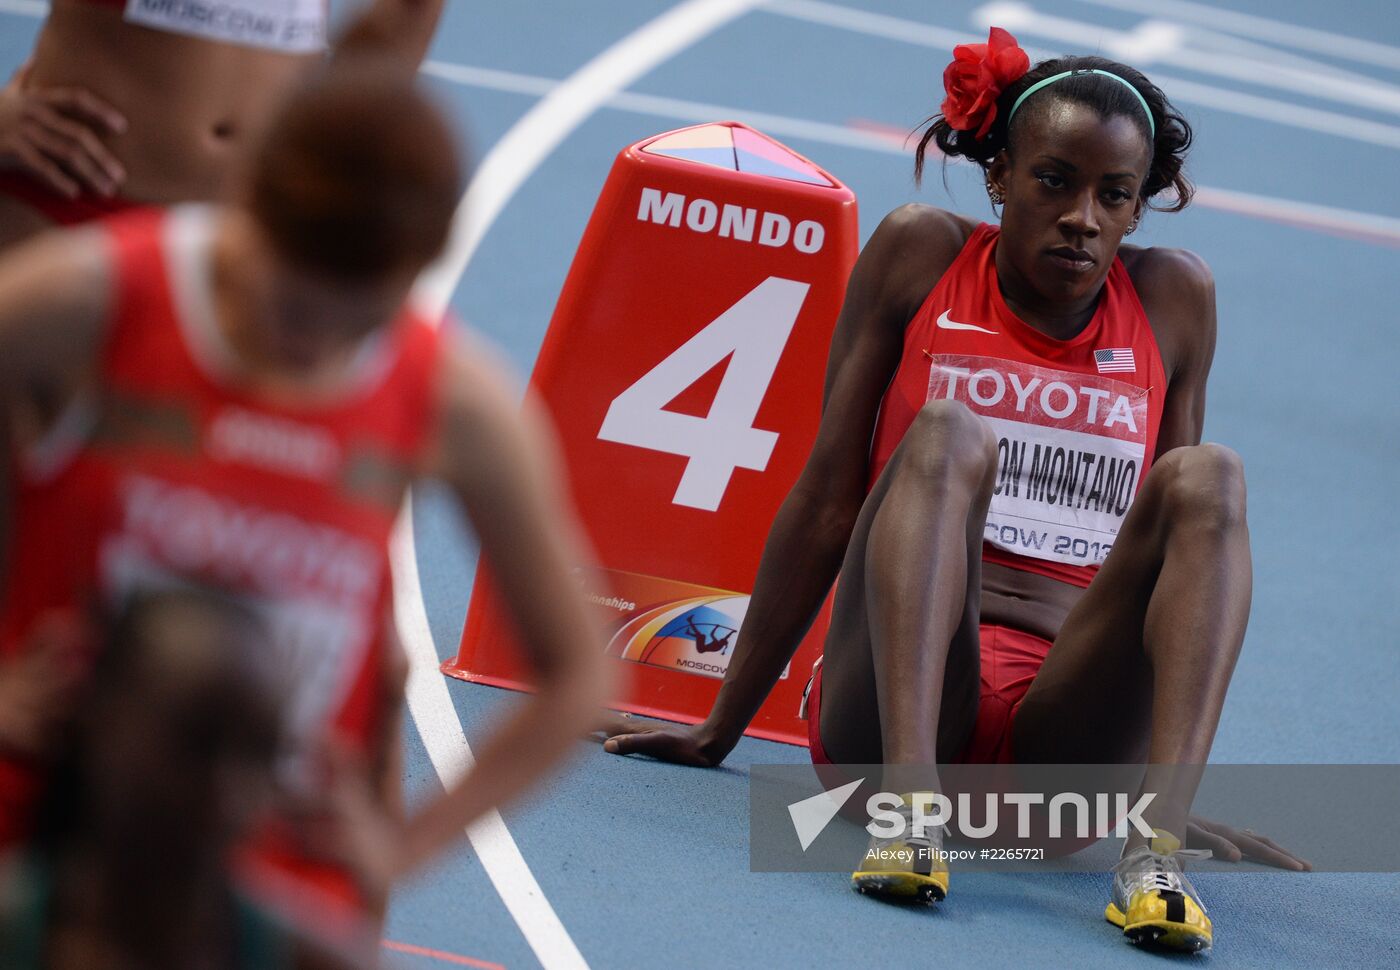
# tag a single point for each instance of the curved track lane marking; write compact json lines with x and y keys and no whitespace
{"x":504,"y":169}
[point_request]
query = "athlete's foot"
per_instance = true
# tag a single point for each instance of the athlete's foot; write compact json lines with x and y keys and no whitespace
{"x":1153,"y":903}
{"x":910,"y":867}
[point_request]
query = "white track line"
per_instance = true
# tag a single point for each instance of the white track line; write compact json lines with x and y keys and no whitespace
{"x":1366,"y":226}
{"x":1263,"y":28}
{"x":941,"y":38}
{"x":25,"y":8}
{"x":676,"y":109}
{"x":1189,"y":92}
{"x":531,"y":139}
{"x":771,"y":124}
{"x":1126,"y":45}
{"x":504,"y":169}
{"x":672,"y":108}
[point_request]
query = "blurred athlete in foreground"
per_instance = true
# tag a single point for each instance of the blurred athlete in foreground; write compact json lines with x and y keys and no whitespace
{"x":132,"y":102}
{"x":169,"y":764}
{"x":126,"y":103}
{"x":258,"y":399}
{"x":1040,"y":562}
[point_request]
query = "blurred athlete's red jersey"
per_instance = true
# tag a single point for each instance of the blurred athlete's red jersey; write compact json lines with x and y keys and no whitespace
{"x":179,"y":471}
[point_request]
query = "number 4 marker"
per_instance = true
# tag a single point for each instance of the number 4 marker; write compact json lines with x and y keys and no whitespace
{"x":755,"y":330}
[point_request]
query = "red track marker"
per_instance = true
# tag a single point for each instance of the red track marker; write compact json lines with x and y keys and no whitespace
{"x":683,"y":368}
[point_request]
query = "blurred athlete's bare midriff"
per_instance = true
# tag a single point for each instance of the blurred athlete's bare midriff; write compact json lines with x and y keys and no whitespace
{"x":191,"y":104}
{"x":125,"y":103}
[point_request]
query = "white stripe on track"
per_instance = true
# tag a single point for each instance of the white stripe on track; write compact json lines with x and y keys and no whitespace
{"x":25,"y":8}
{"x":1263,"y":28}
{"x":504,"y":169}
{"x":531,"y":139}
{"x":1176,"y":48}
{"x":1190,"y":92}
{"x":1366,"y":226}
{"x":662,"y":107}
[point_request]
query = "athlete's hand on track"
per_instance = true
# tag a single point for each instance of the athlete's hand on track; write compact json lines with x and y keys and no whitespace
{"x":55,"y":135}
{"x":1233,"y":845}
{"x":37,"y":687}
{"x":682,"y":744}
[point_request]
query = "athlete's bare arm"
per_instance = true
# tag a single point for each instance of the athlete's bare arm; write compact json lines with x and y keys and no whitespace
{"x":400,"y":28}
{"x":1177,"y":291}
{"x":380,"y":786}
{"x":53,"y":297}
{"x":54,"y":294}
{"x":904,"y":257}
{"x":500,"y":463}
{"x":53,"y":301}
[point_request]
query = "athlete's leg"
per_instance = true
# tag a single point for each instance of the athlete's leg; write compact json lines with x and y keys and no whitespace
{"x":1140,"y":667}
{"x":900,"y":679}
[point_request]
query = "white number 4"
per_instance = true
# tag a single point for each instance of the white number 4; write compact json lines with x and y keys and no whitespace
{"x":754,"y":330}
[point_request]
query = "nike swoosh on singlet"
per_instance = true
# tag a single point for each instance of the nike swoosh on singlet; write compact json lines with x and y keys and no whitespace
{"x":946,"y":324}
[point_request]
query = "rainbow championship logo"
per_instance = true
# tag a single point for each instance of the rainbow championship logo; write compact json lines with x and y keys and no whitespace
{"x":695,"y":634}
{"x":671,"y":624}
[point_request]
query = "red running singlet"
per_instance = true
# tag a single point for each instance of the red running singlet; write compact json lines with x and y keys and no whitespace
{"x":184,"y":474}
{"x":1076,"y":420}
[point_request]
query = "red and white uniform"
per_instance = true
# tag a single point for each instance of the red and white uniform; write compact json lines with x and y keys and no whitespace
{"x":1076,"y":420}
{"x":1076,"y":424}
{"x":184,"y":475}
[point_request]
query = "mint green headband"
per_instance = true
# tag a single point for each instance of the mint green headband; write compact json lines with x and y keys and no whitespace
{"x":1151,"y":125}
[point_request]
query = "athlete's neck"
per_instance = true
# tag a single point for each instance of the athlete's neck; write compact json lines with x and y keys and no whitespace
{"x":1059,"y":320}
{"x":239,"y":297}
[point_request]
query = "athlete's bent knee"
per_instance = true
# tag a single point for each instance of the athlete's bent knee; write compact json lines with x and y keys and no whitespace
{"x":1205,"y":487}
{"x":948,"y":439}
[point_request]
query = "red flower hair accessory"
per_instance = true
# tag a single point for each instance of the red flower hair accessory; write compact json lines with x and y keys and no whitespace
{"x":976,"y":77}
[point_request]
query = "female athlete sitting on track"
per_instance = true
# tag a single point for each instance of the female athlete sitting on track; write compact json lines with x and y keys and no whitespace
{"x":258,"y":398}
{"x":130,"y":102}
{"x":1040,"y":562}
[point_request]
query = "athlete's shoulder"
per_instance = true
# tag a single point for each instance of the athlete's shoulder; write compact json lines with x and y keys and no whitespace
{"x":910,"y":251}
{"x":1161,"y":271}
{"x":82,"y":254}
{"x":473,"y":384}
{"x":1177,"y":291}
{"x":931,"y":230}
{"x":55,"y":292}
{"x":479,"y":415}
